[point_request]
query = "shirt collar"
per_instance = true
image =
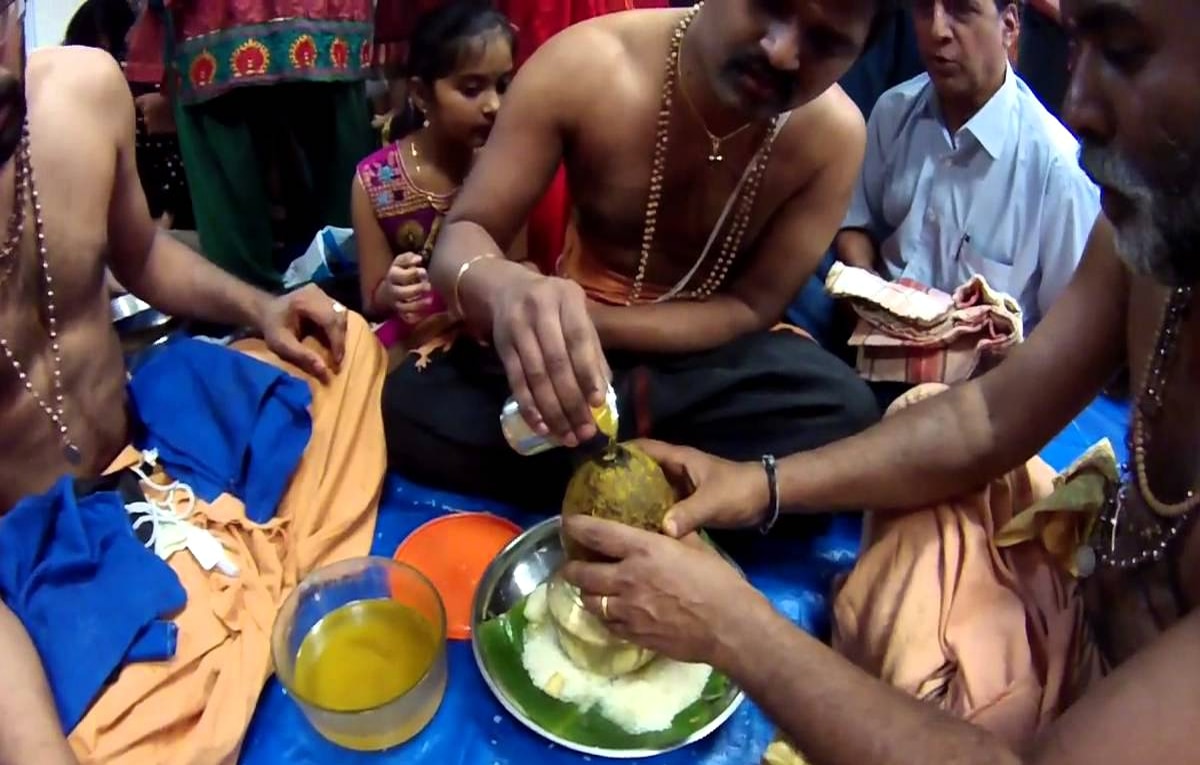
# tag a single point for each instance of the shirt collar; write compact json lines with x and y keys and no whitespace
{"x":990,"y":125}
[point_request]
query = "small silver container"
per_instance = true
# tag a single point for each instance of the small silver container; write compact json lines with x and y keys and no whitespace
{"x":527,"y":443}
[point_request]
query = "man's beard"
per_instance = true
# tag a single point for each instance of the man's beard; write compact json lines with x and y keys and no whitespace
{"x":1161,"y":236}
{"x":12,"y":125}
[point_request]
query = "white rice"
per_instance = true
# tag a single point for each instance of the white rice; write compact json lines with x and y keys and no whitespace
{"x":642,"y":702}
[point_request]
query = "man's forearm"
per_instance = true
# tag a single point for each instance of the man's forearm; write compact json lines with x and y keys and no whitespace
{"x":856,"y":248}
{"x":179,"y":281}
{"x":29,"y":728}
{"x":929,"y":452}
{"x":833,"y":712}
{"x":460,"y":243}
{"x":674,"y":327}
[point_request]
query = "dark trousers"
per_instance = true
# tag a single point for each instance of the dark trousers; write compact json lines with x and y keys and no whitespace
{"x":307,"y":137}
{"x":768,"y":393}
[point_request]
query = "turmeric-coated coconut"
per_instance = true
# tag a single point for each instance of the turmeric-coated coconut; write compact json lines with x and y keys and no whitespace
{"x":623,"y":484}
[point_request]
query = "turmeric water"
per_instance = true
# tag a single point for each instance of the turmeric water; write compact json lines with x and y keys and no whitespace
{"x":363,"y":656}
{"x":606,"y":420}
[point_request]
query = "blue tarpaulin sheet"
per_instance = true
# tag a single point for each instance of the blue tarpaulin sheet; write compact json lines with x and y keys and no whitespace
{"x":471,"y":728}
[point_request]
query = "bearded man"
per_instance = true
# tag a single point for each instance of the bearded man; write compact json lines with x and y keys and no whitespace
{"x":1064,"y":637}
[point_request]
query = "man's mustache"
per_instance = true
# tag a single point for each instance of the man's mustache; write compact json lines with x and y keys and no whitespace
{"x":780,"y":83}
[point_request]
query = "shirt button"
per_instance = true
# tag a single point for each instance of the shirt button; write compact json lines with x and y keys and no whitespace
{"x":930,"y":216}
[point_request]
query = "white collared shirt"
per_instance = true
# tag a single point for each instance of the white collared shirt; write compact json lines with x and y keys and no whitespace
{"x":1004,"y":197}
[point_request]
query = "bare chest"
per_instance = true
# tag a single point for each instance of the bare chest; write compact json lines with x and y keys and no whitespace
{"x":50,"y":282}
{"x":1130,"y":606}
{"x":61,"y":377}
{"x":702,"y":204}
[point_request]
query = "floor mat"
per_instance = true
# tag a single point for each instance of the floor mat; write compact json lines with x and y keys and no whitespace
{"x":1105,"y":418}
{"x":471,"y":728}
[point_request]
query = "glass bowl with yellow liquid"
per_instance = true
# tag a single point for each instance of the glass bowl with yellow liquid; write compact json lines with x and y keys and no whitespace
{"x":361,"y":646}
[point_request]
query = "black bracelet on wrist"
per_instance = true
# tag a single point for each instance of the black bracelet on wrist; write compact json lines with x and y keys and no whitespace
{"x":768,"y":463}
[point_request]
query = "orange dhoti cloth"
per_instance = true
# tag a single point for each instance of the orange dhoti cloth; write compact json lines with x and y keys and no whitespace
{"x":194,"y":709}
{"x":941,"y":606}
{"x":971,"y":605}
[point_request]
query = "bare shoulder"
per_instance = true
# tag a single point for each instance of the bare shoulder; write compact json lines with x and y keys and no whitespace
{"x":574,"y":59}
{"x":75,"y":72}
{"x":596,"y":60}
{"x":80,"y":116}
{"x":604,"y":39}
{"x":73,"y":84}
{"x":828,"y":134}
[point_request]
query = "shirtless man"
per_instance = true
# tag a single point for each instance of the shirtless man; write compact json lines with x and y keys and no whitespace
{"x":90,"y":206}
{"x":657,"y":114}
{"x":1134,"y":101}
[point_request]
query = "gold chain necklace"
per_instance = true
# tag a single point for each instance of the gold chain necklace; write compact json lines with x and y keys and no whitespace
{"x":1150,"y":405}
{"x":437,"y":202}
{"x":741,"y":220}
{"x":1147,"y":540}
{"x":54,"y":409}
{"x":715,"y":157}
{"x":16,"y":221}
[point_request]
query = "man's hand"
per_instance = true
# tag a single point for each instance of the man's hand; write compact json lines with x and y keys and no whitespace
{"x":717,"y":493}
{"x":288,"y":318}
{"x":677,"y":598}
{"x":551,"y":354}
{"x":856,"y":248}
{"x":405,"y":290}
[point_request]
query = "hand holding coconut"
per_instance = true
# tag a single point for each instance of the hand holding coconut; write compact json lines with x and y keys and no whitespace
{"x":648,"y":590}
{"x":717,"y":493}
{"x":625,"y":486}
{"x":678,"y":598}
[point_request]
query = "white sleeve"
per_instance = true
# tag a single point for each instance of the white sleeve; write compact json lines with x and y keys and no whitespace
{"x":866,"y":206}
{"x":1071,"y":206}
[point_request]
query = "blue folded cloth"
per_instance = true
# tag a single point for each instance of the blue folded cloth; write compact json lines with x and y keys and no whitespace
{"x":89,"y":594}
{"x":222,"y":421}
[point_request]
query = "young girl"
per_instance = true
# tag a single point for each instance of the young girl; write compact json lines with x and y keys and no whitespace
{"x":460,"y":62}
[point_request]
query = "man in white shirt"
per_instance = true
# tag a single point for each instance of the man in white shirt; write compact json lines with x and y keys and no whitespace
{"x":966,"y":172}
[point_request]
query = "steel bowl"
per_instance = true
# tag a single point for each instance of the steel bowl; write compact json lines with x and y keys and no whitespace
{"x":525,"y":563}
{"x":139,"y":326}
{"x":131,"y":314}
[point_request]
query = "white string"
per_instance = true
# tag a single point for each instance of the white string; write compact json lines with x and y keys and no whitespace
{"x":171,"y":511}
{"x":160,"y":513}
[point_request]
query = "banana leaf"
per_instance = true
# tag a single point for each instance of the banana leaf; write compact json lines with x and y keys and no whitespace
{"x":501,"y":641}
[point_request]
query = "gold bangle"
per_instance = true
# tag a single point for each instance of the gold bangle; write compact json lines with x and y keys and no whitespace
{"x":456,"y":293}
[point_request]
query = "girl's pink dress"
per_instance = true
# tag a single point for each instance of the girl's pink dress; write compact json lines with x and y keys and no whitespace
{"x":410,"y":218}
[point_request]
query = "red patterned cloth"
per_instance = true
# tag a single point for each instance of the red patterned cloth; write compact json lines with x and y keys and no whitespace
{"x":217,"y":45}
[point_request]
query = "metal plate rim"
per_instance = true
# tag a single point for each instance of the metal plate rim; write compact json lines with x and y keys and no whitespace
{"x":478,"y":606}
